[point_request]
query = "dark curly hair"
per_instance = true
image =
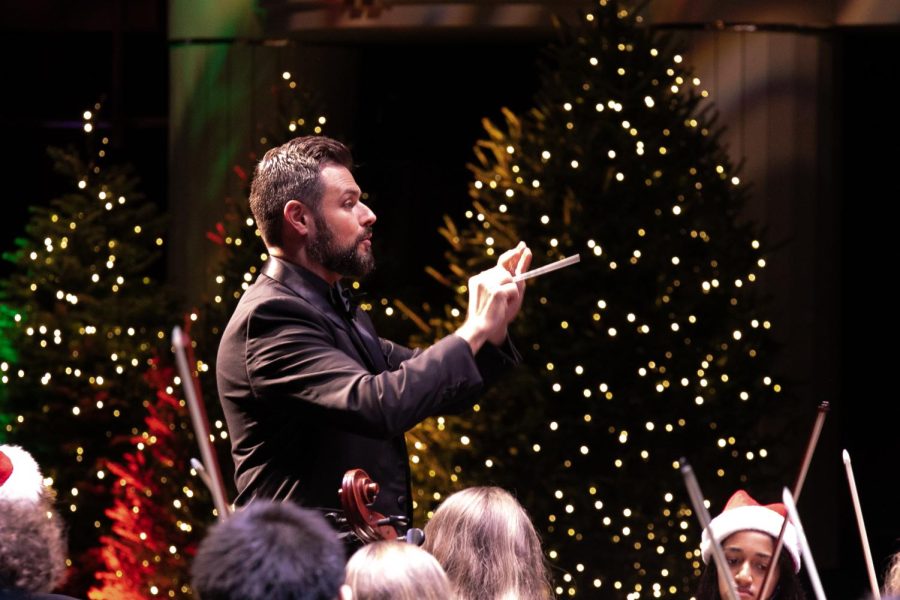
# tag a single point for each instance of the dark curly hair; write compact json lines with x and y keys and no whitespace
{"x":270,"y":551}
{"x":32,"y":545}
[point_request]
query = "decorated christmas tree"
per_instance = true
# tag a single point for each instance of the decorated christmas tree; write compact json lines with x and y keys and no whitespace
{"x":83,"y":314}
{"x":237,"y":243}
{"x":651,"y":349}
{"x":160,"y":513}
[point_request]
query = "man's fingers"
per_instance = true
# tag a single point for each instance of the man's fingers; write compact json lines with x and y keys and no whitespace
{"x":524,"y":262}
{"x":509,"y":291}
{"x":509,"y":258}
{"x":495,"y":276}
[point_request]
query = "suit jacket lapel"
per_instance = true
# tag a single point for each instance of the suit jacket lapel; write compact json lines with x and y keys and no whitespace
{"x":315,"y":291}
{"x":309,"y":287}
{"x":369,"y":338}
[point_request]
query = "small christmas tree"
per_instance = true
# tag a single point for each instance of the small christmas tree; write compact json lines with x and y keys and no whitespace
{"x":83,"y":314}
{"x":238,"y":243}
{"x":159,"y":514}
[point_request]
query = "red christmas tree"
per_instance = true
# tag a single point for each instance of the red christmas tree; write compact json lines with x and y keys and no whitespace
{"x":156,"y":502}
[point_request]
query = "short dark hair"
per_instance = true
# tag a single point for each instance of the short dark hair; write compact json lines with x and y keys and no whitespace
{"x":270,"y":551}
{"x":291,"y":172}
{"x":32,"y":545}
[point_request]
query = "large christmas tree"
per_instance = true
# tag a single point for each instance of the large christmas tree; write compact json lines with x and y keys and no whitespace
{"x":651,"y":349}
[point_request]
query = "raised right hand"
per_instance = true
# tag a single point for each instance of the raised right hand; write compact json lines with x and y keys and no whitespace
{"x":494,"y":299}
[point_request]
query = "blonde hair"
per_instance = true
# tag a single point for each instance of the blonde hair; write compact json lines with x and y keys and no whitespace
{"x":892,"y":577}
{"x":488,"y":546}
{"x":396,"y":570}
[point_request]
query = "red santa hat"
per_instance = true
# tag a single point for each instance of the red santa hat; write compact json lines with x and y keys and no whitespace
{"x":20,"y":476}
{"x":743,"y":513}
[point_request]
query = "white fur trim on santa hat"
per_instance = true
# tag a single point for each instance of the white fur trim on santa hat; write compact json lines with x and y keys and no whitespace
{"x":752,"y":518}
{"x":25,"y":482}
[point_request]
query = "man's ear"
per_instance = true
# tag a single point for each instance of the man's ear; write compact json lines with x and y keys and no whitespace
{"x":297,"y":216}
{"x":346,"y":592}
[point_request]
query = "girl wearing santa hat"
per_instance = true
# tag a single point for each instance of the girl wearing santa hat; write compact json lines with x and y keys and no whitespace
{"x":747,"y":532}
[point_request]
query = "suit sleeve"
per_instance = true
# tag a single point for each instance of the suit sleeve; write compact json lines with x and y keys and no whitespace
{"x":294,"y":356}
{"x":491,"y":360}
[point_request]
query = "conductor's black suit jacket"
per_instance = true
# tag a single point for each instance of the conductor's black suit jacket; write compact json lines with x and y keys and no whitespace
{"x":307,"y":395}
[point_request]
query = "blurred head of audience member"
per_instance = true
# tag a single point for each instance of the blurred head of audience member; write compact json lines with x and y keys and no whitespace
{"x":270,"y":551}
{"x":488,"y":546}
{"x":32,"y":540}
{"x":393,"y":570}
{"x":892,"y":577}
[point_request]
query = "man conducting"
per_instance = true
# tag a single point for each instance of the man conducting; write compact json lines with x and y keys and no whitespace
{"x":308,"y":388}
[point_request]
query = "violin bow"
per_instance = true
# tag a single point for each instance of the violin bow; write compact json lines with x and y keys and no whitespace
{"x":788,"y":500}
{"x":822,"y":412}
{"x":693,"y":488}
{"x":190,"y":383}
{"x":864,"y":537}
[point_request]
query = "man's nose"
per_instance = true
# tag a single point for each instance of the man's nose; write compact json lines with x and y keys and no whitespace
{"x":367,"y":216}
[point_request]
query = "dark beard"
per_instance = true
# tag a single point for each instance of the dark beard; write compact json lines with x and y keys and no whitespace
{"x":345,"y":261}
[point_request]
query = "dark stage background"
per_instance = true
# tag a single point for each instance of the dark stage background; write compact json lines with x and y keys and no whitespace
{"x":412,"y":144}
